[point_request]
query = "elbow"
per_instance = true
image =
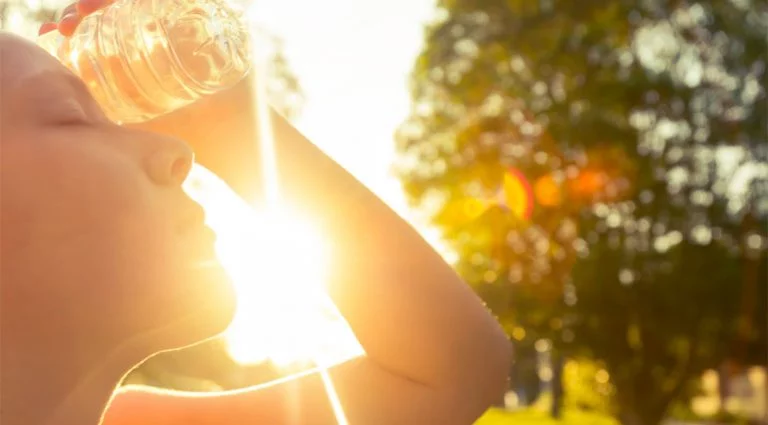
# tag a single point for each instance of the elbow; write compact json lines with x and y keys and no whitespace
{"x":494,"y":376}
{"x":486,"y":380}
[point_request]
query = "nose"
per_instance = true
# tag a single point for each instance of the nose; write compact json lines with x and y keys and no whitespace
{"x":169,"y":161}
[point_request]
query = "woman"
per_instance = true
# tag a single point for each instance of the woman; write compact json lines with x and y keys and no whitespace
{"x":100,"y":268}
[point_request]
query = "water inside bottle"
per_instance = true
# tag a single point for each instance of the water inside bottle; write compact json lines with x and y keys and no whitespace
{"x":140,"y":62}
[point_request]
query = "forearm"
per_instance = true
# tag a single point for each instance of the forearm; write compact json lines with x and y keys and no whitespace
{"x":413,"y":315}
{"x":303,"y":399}
{"x":411,"y":312}
{"x":223,"y":139}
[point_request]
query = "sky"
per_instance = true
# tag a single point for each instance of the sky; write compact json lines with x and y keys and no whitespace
{"x":352,"y":59}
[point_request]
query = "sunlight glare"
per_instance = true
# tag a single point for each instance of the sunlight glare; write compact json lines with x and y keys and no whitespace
{"x":278,"y":263}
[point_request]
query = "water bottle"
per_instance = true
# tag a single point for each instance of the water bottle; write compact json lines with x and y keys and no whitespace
{"x":144,"y":58}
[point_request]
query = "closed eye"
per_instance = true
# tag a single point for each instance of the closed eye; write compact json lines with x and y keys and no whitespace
{"x":65,"y":111}
{"x":59,"y":98}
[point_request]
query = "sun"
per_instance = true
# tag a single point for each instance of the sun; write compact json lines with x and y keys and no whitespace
{"x":278,"y":262}
{"x":277,"y":259}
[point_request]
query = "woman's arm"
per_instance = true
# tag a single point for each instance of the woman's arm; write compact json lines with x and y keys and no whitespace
{"x":434,"y":353}
{"x":301,"y":400}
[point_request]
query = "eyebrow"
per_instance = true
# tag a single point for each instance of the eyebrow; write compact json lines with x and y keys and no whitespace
{"x":70,"y":80}
{"x":38,"y":87}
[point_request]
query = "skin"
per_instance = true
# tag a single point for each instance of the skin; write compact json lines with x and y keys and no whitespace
{"x":434,"y":354}
{"x":101,"y":249}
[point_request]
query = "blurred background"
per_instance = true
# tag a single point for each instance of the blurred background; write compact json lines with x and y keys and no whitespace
{"x":597,"y":170}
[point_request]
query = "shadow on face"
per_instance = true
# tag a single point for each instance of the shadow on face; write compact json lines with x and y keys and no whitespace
{"x":98,"y":239}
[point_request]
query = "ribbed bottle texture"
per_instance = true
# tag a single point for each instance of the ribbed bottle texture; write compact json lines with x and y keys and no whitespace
{"x":145,"y":58}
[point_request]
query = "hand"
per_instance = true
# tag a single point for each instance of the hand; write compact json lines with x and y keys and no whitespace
{"x":73,"y":14}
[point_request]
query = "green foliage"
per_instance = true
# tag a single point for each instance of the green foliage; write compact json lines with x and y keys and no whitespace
{"x":541,"y":417}
{"x":19,"y":10}
{"x":588,"y":387}
{"x":648,"y":120}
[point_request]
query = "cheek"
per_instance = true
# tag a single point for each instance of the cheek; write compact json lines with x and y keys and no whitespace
{"x":88,"y":207}
{"x":91,"y":227}
{"x":131,"y":266}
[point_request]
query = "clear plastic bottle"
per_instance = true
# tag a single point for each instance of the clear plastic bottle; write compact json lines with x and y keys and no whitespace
{"x":144,"y":58}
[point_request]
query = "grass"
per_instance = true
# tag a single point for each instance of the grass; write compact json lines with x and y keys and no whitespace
{"x":541,"y":417}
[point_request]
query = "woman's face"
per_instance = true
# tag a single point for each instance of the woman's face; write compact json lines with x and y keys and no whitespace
{"x":97,"y":237}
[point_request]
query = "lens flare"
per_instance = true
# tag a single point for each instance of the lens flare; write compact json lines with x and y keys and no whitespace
{"x":277,"y":260}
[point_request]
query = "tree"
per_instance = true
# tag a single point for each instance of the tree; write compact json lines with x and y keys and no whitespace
{"x":19,"y":13}
{"x":207,"y":366}
{"x":641,"y":127}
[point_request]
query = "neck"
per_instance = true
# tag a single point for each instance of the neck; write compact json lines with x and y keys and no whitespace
{"x":65,"y":383}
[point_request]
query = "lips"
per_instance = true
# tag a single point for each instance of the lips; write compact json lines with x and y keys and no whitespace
{"x":209,"y":239}
{"x":202,"y":244}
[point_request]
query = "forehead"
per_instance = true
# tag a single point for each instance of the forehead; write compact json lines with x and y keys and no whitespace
{"x":21,"y":59}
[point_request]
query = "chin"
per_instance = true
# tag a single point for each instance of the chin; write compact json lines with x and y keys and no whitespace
{"x":203,"y":309}
{"x":214,"y":308}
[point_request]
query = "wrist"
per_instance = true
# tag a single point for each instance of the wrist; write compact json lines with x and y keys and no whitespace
{"x":223,"y":134}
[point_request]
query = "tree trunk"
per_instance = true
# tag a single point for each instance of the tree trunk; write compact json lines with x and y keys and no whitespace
{"x":631,"y":418}
{"x":723,"y":384}
{"x":648,"y":417}
{"x":557,"y":385}
{"x":638,"y":404}
{"x":525,"y":377}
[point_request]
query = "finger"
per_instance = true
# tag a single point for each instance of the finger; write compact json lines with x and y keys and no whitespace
{"x":68,"y":23}
{"x":86,"y":7}
{"x":70,"y":9}
{"x":46,"y":28}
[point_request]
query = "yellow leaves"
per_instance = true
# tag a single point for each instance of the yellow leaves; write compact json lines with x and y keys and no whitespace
{"x":461,"y":211}
{"x":518,"y":333}
{"x":474,"y":208}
